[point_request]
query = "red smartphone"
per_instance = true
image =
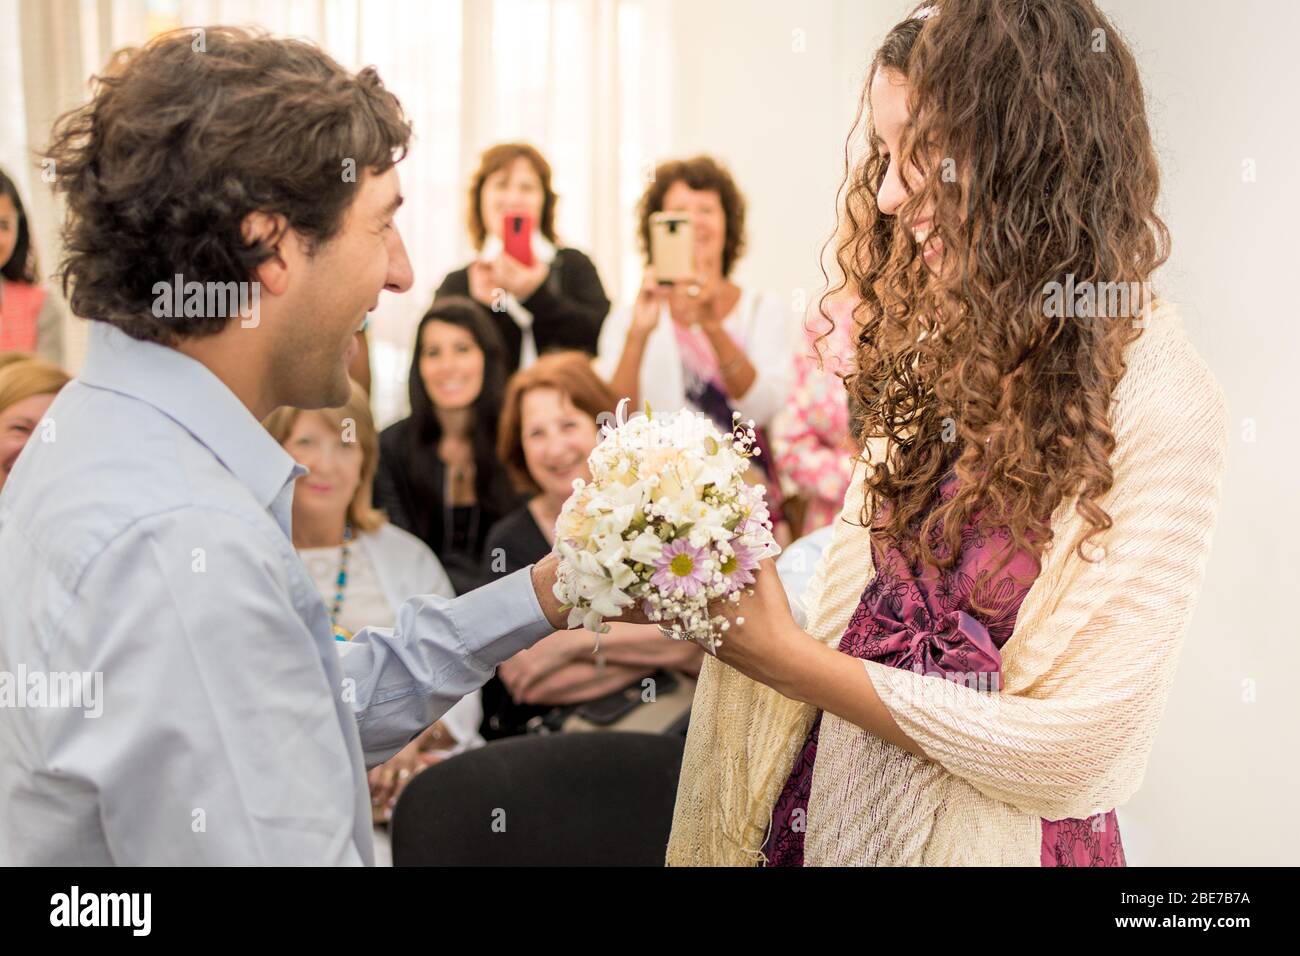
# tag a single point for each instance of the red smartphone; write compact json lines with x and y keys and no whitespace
{"x":517,"y":233}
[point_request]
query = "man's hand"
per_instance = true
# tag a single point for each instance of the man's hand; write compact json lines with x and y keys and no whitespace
{"x":543,"y":574}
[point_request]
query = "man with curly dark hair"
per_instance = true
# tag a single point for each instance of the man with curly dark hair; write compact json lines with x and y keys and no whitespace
{"x":231,"y":202}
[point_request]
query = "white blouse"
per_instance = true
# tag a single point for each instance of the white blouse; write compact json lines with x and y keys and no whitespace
{"x":385,"y":567}
{"x":762,"y":324}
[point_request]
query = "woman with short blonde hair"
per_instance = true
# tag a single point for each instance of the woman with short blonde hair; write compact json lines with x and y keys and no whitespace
{"x":27,"y":389}
{"x":355,"y":419}
{"x":364,"y":566}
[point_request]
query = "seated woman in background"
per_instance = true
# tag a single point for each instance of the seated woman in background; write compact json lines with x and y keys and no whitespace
{"x":364,"y":568}
{"x":548,"y":428}
{"x":439,"y":477}
{"x":811,"y":440}
{"x":706,"y":343}
{"x":28,"y":387}
{"x":558,"y":302}
{"x":31,"y":319}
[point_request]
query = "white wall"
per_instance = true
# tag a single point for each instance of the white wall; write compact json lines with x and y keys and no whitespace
{"x":1222,"y":782}
{"x":1220,"y":77}
{"x":770,"y":87}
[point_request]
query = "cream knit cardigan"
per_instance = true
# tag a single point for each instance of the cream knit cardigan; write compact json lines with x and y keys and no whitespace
{"x":1085,"y":679}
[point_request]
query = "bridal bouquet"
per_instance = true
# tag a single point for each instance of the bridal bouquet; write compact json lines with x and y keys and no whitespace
{"x":667,"y":521}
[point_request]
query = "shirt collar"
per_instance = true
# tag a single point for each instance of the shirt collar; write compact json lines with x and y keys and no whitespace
{"x":187,"y":392}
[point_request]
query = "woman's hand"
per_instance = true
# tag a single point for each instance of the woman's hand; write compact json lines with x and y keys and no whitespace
{"x":519,"y":280}
{"x":389,"y":778}
{"x":649,"y":304}
{"x":691,"y":303}
{"x":580,"y":681}
{"x":768,"y":646}
{"x":527,"y":668}
{"x":483,"y":287}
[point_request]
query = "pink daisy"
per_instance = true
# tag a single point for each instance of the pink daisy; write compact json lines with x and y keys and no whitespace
{"x":680,"y":570}
{"x":738,"y":569}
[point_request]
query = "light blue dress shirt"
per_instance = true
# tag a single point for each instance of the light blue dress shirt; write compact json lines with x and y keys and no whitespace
{"x":145,"y":536}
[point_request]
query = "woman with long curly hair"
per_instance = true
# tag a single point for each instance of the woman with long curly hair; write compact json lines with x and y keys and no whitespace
{"x":993,"y":630}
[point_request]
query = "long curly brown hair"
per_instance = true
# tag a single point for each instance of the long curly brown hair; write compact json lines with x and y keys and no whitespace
{"x":1038,"y":107}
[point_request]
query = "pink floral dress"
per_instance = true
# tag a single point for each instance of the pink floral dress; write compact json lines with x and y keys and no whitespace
{"x":810,"y":436}
{"x":922,"y":619}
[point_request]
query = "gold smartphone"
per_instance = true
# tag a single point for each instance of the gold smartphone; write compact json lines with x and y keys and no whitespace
{"x":672,"y":247}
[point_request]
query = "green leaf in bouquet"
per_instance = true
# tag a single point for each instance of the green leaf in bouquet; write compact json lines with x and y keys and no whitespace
{"x":648,"y":414}
{"x":711,"y":445}
{"x":682,"y":530}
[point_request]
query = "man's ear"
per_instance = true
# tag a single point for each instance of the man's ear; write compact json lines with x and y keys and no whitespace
{"x":271,"y":232}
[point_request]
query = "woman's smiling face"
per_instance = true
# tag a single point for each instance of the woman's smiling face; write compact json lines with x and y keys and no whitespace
{"x":515,"y":190}
{"x":17,"y":424}
{"x":557,"y":438}
{"x":333,"y":465}
{"x":890,"y":115}
{"x":451,"y":365}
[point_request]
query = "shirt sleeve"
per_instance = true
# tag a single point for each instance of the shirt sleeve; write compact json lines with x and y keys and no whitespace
{"x":402,"y":679}
{"x":219,"y":741}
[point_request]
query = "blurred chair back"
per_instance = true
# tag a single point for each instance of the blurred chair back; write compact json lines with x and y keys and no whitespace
{"x":589,"y":799}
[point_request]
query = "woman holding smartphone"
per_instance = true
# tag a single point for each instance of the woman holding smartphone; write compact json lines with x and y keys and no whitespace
{"x":541,"y":294}
{"x":699,"y":339}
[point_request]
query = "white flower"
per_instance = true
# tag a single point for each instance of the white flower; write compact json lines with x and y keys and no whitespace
{"x":645,"y":548}
{"x":650,"y":477}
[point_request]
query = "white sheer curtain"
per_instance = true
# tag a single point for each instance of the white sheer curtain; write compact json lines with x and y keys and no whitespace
{"x":586,"y":81}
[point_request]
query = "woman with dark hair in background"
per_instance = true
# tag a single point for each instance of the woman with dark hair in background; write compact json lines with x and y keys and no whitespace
{"x":558,"y":302}
{"x":31,"y":319}
{"x":438,"y":475}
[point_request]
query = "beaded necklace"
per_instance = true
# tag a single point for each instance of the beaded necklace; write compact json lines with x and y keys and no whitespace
{"x":341,"y":584}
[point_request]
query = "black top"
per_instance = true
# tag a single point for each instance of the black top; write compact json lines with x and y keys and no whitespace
{"x":513,"y":543}
{"x":568,"y":308}
{"x":416,"y":501}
